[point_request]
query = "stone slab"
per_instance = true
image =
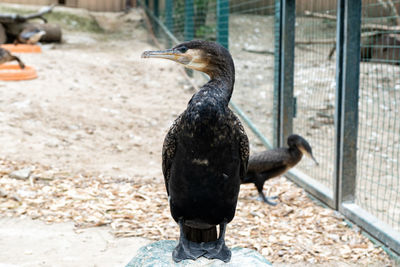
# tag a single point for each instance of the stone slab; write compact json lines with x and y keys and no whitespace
{"x":160,"y":254}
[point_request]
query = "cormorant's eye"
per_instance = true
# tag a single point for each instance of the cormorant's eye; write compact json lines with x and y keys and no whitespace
{"x":183,"y":49}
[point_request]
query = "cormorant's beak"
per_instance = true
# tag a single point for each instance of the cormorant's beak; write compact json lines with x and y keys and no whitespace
{"x":192,"y":58}
{"x":308,"y":153}
{"x":171,"y":54}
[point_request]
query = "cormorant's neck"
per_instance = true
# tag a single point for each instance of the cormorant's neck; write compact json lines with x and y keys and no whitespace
{"x":296,"y":153}
{"x":221,"y":84}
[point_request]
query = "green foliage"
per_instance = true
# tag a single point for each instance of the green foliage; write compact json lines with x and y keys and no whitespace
{"x":66,"y":20}
{"x":206,"y":32}
{"x":200,"y":14}
{"x":179,"y":18}
{"x":12,"y":10}
{"x":74,"y":22}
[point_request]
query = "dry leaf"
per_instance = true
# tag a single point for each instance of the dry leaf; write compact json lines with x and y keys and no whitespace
{"x":296,"y":230}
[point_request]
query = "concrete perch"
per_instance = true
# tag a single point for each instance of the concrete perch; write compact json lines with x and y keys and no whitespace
{"x":159,"y":254}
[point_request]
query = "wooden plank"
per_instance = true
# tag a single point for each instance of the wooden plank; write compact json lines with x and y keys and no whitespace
{"x":31,"y":2}
{"x":71,"y":3}
{"x":108,"y":5}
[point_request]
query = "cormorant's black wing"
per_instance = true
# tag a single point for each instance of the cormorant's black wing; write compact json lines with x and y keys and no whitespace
{"x":243,"y":145}
{"x":169,"y":147}
{"x":277,"y":158}
{"x":168,"y":150}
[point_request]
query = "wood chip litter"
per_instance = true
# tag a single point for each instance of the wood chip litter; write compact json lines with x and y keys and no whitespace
{"x":296,"y":230}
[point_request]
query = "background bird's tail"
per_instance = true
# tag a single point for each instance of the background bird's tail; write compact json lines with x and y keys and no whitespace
{"x":21,"y":64}
{"x":200,"y":235}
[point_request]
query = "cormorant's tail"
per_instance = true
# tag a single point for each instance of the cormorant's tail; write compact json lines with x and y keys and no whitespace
{"x":200,"y":235}
{"x":247,"y":179}
{"x":21,"y":64}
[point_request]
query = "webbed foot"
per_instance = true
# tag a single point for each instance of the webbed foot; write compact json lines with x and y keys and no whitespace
{"x":186,"y":249}
{"x":219,"y":250}
{"x":269,"y":200}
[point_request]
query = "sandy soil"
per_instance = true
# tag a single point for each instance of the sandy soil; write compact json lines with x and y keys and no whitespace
{"x":95,"y":108}
{"x":25,"y":242}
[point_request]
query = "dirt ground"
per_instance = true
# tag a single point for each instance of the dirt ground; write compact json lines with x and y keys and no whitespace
{"x":24,"y":242}
{"x":94,"y":108}
{"x":91,"y":127}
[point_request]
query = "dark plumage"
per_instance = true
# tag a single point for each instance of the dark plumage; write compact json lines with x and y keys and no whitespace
{"x":205,"y":154}
{"x":272,"y":163}
{"x":6,"y":56}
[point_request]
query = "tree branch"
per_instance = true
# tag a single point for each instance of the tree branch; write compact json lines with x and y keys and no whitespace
{"x":308,"y":13}
{"x":364,"y":27}
{"x":17,"y":18}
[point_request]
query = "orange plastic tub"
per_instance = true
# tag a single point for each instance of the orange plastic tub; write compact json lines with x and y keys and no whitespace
{"x":22,"y":48}
{"x":10,"y":72}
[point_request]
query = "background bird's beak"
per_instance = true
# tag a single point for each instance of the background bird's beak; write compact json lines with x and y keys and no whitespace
{"x":308,"y":154}
{"x":170,"y":54}
{"x":312,"y":157}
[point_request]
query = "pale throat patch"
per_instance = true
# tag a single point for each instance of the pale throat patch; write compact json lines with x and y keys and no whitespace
{"x":196,"y":62}
{"x":305,"y":152}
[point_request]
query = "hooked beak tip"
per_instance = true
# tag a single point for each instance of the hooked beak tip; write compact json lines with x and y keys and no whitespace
{"x":311,"y":156}
{"x":145,"y":54}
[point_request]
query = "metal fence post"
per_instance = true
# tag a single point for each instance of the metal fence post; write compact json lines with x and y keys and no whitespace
{"x":277,"y":72}
{"x":223,"y":23}
{"x":348,"y":102}
{"x":189,"y":23}
{"x":169,"y":19}
{"x":287,"y":69}
{"x":338,"y":97}
{"x":156,"y":13}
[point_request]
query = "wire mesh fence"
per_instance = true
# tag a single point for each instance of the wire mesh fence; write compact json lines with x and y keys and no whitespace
{"x":188,"y":19}
{"x":378,"y":172}
{"x":314,"y":85}
{"x":251,"y":43}
{"x":253,"y":32}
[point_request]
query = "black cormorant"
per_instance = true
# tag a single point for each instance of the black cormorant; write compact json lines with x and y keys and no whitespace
{"x":271,"y":163}
{"x":205,"y":154}
{"x":6,"y":56}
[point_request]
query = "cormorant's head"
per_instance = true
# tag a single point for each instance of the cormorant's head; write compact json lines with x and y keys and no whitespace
{"x":295,"y":140}
{"x":208,"y":57}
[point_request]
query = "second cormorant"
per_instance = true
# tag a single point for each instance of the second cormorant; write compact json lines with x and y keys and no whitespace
{"x":205,"y":154}
{"x":272,"y":163}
